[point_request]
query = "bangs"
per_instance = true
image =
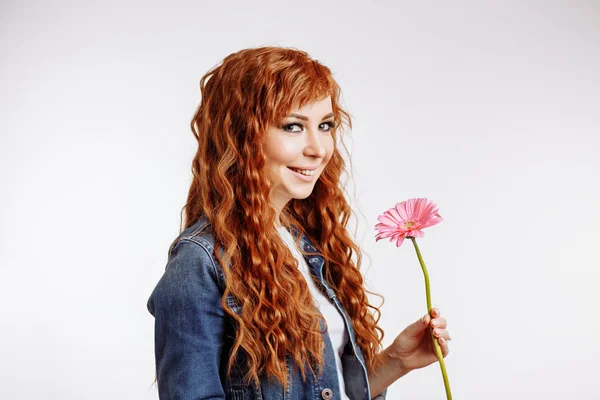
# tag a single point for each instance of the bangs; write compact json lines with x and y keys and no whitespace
{"x":305,"y":84}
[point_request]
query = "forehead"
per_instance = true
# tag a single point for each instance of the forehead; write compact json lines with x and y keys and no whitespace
{"x":315,"y":107}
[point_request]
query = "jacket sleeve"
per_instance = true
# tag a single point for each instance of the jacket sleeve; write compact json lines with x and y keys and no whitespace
{"x":189,"y":325}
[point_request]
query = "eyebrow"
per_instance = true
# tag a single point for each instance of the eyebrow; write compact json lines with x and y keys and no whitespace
{"x":305,"y":118}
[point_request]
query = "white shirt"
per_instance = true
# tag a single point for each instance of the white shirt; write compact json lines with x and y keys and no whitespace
{"x":335,"y":323}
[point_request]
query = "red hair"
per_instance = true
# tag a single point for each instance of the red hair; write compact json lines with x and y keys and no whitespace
{"x":241,"y":97}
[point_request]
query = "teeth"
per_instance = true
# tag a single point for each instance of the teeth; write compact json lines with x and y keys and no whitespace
{"x":304,"y":171}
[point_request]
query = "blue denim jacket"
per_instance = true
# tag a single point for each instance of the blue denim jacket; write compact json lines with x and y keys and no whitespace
{"x":193,"y":334}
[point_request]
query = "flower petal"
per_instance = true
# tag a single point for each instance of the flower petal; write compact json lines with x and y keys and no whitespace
{"x":417,"y":233}
{"x":400,"y":208}
{"x":399,"y":241}
{"x":385,"y":219}
{"x":396,"y":215}
{"x":407,"y":218}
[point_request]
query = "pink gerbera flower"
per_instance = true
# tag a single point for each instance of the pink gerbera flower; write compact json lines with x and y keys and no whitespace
{"x":407,"y":219}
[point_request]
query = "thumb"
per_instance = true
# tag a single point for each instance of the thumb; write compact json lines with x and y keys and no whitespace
{"x":417,"y":328}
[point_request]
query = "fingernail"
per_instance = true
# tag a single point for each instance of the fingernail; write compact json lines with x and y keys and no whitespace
{"x":434,"y":323}
{"x":442,"y":340}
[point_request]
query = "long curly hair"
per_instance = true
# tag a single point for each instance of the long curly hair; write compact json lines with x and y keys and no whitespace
{"x":240,"y":98}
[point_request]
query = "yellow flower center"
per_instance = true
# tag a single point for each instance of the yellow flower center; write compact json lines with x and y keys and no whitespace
{"x":409,"y":224}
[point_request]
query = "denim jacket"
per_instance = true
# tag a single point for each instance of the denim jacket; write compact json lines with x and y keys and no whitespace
{"x":194,"y":334}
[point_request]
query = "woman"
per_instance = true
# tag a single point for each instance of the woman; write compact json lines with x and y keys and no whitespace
{"x":288,"y":318}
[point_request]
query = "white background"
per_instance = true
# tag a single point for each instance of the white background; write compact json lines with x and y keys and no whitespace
{"x":490,"y":109}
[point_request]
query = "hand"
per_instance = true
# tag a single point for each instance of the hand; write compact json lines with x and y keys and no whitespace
{"x":413,"y":347}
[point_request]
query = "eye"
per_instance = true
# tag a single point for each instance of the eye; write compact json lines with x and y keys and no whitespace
{"x":330,"y":125}
{"x":290,"y":127}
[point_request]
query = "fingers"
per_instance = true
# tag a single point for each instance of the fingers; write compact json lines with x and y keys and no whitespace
{"x":438,"y":325}
{"x":443,"y":338}
{"x":416,"y":329}
{"x":442,"y":335}
{"x":444,"y":347}
{"x":436,"y":321}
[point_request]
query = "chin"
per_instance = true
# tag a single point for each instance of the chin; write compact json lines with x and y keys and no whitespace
{"x":302,"y":197}
{"x":300,"y":194}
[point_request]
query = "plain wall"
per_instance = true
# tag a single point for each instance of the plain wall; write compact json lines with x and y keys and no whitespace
{"x":490,"y":109}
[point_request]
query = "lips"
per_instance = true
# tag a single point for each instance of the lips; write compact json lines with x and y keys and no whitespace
{"x":308,"y":168}
{"x":303,"y":172}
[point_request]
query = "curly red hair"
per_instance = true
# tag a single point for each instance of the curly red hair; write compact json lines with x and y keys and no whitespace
{"x":241,"y":97}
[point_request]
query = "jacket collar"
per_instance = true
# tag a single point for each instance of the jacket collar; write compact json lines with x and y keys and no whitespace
{"x":315,"y":261}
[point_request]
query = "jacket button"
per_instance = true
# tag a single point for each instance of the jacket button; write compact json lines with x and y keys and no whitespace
{"x":327,"y":394}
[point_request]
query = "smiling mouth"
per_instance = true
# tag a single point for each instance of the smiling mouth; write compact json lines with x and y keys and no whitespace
{"x":305,"y":172}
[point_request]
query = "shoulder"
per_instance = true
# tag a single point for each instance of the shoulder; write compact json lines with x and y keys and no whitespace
{"x":200,"y":233}
{"x":197,"y":244}
{"x":191,"y":268}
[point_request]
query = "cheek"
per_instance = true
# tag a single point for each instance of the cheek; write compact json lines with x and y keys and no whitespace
{"x":284,"y":152}
{"x":330,"y":146}
{"x":289,"y":152}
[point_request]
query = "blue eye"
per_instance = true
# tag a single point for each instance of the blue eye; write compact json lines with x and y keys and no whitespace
{"x":289,"y":127}
{"x":330,"y":124}
{"x":299,"y":127}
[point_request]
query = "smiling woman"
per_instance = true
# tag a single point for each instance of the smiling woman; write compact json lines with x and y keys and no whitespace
{"x":262,"y":296}
{"x":295,"y":158}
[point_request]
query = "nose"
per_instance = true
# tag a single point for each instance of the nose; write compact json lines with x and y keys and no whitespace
{"x":315,"y":144}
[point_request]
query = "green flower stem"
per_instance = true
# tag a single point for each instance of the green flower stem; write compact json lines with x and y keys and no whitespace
{"x":436,"y":345}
